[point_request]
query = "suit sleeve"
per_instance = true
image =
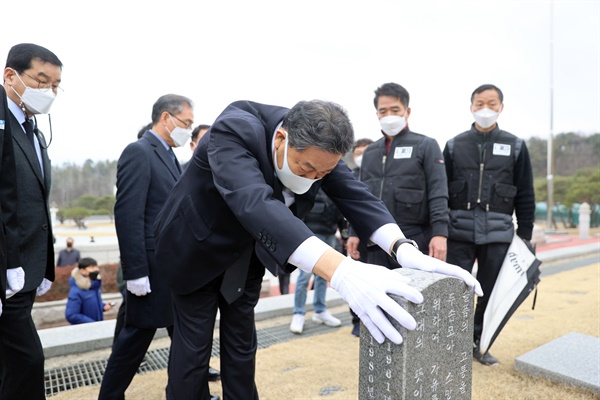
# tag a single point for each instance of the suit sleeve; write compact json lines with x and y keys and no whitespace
{"x":133,"y":181}
{"x":236,"y":154}
{"x":364,"y":211}
{"x":437,"y":188}
{"x":525,"y":198}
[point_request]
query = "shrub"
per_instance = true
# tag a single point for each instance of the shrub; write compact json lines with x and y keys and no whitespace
{"x":60,"y":287}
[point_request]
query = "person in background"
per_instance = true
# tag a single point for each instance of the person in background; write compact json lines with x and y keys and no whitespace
{"x":357,"y":154}
{"x":31,"y":80}
{"x":146,"y":171}
{"x":406,"y":171}
{"x":197,"y":134}
{"x":237,"y":210}
{"x":324,"y":219}
{"x":489,"y":178}
{"x":121,"y":284}
{"x":69,"y":256}
{"x":84,"y":303}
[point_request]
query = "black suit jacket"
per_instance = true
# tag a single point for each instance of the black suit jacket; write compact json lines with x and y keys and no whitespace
{"x":228,"y":202}
{"x":36,"y":247}
{"x":145,"y":175}
{"x":9,"y":254}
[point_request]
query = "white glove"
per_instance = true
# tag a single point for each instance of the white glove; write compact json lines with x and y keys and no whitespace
{"x":139,"y":286}
{"x":15,"y":280}
{"x":410,"y":257}
{"x":365,"y":288}
{"x":43,"y":288}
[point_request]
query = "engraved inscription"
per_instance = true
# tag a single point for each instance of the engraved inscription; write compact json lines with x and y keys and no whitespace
{"x":434,"y":362}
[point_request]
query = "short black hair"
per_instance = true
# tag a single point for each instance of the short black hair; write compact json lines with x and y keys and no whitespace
{"x":485,"y":87}
{"x":20,"y":56}
{"x":361,"y":143}
{"x":197,"y":130}
{"x":392,"y":89}
{"x":86,"y":262}
{"x":143,"y":130}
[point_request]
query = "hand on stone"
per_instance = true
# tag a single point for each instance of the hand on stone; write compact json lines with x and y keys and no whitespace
{"x":365,"y":287}
{"x":409,"y":256}
{"x":15,"y":280}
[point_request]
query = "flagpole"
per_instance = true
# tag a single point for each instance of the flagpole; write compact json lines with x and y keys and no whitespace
{"x":550,"y":163}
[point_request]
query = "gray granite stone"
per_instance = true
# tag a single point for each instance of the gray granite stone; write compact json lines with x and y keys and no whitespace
{"x":435,"y":360}
{"x":572,"y":359}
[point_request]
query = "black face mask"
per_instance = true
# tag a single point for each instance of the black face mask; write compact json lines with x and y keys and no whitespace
{"x":94,"y":275}
{"x":69,"y":245}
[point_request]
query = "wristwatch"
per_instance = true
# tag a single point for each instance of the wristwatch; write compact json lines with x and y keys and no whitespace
{"x":398,"y":243}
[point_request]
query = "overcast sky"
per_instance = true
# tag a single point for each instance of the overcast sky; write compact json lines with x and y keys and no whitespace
{"x":120,"y":56}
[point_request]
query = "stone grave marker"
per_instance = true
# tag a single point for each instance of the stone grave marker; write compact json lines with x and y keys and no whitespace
{"x":434,"y":361}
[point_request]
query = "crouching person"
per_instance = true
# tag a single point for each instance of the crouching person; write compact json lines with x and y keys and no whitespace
{"x":85,"y":301}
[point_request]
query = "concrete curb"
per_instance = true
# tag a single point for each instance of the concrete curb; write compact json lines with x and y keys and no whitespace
{"x":74,"y":339}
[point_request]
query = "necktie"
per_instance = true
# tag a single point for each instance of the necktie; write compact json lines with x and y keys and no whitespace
{"x":174,"y":159}
{"x":28,"y":125}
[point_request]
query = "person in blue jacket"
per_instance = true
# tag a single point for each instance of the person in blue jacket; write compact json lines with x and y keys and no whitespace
{"x":85,"y":301}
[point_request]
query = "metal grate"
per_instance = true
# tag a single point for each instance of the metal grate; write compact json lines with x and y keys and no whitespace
{"x":90,"y":373}
{"x":63,"y":379}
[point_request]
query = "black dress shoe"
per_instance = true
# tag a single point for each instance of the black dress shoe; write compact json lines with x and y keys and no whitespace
{"x":213,"y":375}
{"x":485,"y":359}
{"x":356,"y":329}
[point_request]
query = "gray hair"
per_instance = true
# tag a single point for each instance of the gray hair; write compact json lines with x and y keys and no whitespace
{"x":171,"y":103}
{"x":321,"y":124}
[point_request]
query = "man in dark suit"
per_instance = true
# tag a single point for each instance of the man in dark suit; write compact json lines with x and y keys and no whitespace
{"x":237,"y":209}
{"x":8,"y":200}
{"x":146,"y":172}
{"x":31,"y":80}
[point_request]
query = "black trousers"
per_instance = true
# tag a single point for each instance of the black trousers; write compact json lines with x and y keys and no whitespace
{"x":120,"y":323}
{"x":489,"y":261}
{"x":194,"y":317}
{"x":127,"y":354}
{"x":21,"y":352}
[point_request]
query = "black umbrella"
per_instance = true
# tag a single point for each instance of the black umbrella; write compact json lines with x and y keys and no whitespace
{"x":518,"y":277}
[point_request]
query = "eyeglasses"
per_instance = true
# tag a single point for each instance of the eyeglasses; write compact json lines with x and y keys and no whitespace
{"x":185,"y":124}
{"x":45,"y":86}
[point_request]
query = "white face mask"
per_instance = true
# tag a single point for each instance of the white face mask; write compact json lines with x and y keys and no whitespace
{"x":295,"y":183}
{"x":179,"y":135}
{"x":485,"y":117}
{"x":358,"y":160}
{"x":393,"y":124}
{"x":38,"y":101}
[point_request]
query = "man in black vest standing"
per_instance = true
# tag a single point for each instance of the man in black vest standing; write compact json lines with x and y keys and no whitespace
{"x":489,"y":178}
{"x":406,"y":171}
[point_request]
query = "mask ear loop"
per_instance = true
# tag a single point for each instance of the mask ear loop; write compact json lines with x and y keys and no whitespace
{"x":36,"y":131}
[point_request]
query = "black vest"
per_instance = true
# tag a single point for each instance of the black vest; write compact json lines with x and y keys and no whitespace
{"x":398,"y":178}
{"x":483,"y":169}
